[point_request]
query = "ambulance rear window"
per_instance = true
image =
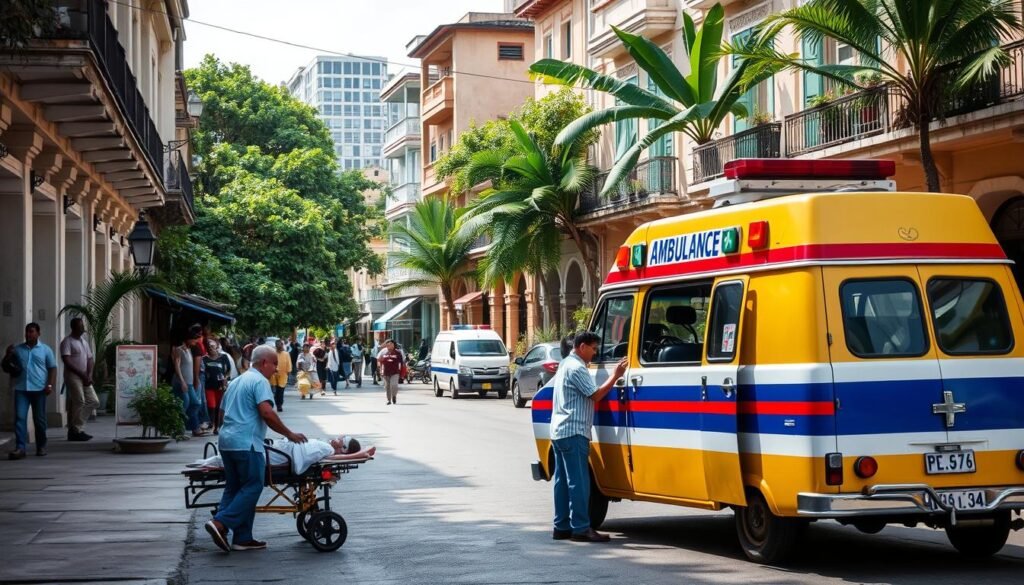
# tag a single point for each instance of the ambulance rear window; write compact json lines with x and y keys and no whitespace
{"x":882,"y":318}
{"x":969,"y":316}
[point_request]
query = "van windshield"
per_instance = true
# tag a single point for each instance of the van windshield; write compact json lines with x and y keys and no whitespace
{"x":481,"y":347}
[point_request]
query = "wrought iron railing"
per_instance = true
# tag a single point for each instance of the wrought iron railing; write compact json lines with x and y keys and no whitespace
{"x":761,"y":141}
{"x":176,"y":178}
{"x":851,"y":117}
{"x":654,"y":176}
{"x":87,"y":20}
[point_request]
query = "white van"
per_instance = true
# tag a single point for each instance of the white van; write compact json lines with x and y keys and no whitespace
{"x":469,"y":358}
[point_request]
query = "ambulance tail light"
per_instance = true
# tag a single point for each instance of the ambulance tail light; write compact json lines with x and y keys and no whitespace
{"x":622,"y":258}
{"x":770,"y":168}
{"x":834,"y":468}
{"x":865,"y":467}
{"x":757,"y":235}
{"x":1020,"y":459}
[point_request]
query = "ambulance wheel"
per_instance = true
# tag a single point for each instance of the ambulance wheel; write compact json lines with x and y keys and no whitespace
{"x":598,"y":508}
{"x":453,"y":389}
{"x":979,"y":542}
{"x":503,"y":394}
{"x":517,"y":396}
{"x":765,"y":537}
{"x":437,"y":389}
{"x":327,"y":531}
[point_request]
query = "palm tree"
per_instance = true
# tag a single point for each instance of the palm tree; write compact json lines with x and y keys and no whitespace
{"x":99,"y":304}
{"x":437,"y":250}
{"x":532,"y":205}
{"x":922,"y":48}
{"x":705,"y":105}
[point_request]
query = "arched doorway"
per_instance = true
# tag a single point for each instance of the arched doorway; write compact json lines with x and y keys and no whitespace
{"x":573,"y":291}
{"x":1008,"y":225}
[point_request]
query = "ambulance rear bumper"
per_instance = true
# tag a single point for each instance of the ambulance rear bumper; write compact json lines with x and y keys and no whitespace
{"x":901,"y":499}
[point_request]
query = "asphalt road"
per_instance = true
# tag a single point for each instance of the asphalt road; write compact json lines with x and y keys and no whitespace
{"x":450,"y":499}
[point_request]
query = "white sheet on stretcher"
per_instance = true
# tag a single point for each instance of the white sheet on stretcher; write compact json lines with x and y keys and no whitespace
{"x":303,"y":455}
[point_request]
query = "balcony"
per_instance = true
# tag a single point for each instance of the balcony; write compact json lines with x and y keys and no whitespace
{"x":76,"y":91}
{"x":653,"y":181}
{"x":647,"y":18}
{"x":533,"y":8}
{"x":761,"y":141}
{"x":405,"y":134}
{"x":438,"y":101}
{"x":431,"y":182}
{"x":401,"y":198}
{"x":179,"y":185}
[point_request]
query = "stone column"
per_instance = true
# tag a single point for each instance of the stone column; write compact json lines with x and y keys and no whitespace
{"x":497,"y":313}
{"x":511,"y":320}
{"x":563,"y":312}
{"x":532,"y":319}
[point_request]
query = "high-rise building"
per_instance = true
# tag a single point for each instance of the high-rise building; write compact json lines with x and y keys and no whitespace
{"x":346,"y":93}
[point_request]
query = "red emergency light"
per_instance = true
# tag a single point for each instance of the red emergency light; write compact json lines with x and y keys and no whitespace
{"x":774,"y":168}
{"x":757,"y":235}
{"x":622,"y":258}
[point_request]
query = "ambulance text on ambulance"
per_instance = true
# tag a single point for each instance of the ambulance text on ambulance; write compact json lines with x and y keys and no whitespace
{"x":691,"y":247}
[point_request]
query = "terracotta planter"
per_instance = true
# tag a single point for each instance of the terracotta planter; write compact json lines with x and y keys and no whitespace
{"x":141,"y":445}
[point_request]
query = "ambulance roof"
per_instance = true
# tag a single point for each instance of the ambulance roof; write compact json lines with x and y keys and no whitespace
{"x":815,"y":228}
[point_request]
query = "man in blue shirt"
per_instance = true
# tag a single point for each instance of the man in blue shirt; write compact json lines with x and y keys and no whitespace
{"x":572,"y":415}
{"x":248,"y":411}
{"x":38,"y":375}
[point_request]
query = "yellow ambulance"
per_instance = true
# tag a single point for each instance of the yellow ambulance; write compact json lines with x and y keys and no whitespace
{"x":816,"y":346}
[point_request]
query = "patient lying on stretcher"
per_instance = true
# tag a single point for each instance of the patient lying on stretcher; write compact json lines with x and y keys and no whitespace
{"x":343,"y":448}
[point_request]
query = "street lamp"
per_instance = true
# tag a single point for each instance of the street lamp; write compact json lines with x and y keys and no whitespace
{"x":194,"y":105}
{"x":142,"y":243}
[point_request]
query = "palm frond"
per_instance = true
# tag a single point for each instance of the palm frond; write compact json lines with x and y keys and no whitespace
{"x":559,"y":72}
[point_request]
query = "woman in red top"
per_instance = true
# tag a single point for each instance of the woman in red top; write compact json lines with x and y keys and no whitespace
{"x":390,"y":361}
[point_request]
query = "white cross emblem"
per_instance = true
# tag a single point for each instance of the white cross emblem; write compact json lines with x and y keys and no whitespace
{"x":949,"y":408}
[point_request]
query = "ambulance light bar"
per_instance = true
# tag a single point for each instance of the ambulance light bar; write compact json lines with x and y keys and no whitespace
{"x":467,"y":327}
{"x":771,"y":168}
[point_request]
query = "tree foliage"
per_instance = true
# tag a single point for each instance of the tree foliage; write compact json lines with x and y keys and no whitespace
{"x":278,"y":225}
{"x":21,"y":20}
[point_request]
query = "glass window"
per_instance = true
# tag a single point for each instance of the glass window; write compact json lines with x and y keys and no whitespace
{"x":374,"y":151}
{"x":969,"y":316}
{"x":368,"y":68}
{"x":366,"y":82}
{"x":725,"y":321}
{"x":567,"y":40}
{"x":348,"y":69}
{"x":549,"y":46}
{"x":612,"y":325}
{"x":376,"y":68}
{"x":673,"y":330}
{"x":368,"y":96}
{"x":882,"y":318}
{"x":320,"y":67}
{"x":481,"y":347}
{"x":536,"y":354}
{"x":376,"y":84}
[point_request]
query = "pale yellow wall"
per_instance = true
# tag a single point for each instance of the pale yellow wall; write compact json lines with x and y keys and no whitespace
{"x":483,"y":98}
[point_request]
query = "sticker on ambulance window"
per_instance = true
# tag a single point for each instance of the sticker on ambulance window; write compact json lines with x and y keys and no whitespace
{"x":728,"y":337}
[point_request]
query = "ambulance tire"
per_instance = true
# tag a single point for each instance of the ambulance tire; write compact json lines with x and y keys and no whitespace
{"x":765,"y":537}
{"x":437,"y":388}
{"x":453,"y":389}
{"x":980,"y":542}
{"x":598,"y":508}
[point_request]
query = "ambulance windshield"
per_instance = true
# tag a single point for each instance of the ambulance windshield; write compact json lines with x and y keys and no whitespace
{"x":482,"y":347}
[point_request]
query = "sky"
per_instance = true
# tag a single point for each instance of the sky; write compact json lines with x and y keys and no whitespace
{"x":363,"y":27}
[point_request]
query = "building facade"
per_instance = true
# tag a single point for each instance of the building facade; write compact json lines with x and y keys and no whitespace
{"x":346,"y":93}
{"x":93,"y":122}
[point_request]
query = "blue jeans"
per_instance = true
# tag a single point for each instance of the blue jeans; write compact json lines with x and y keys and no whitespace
{"x":189,"y":404}
{"x":22,"y":401}
{"x":332,"y":379}
{"x":572,"y":484}
{"x":202,"y":414}
{"x":243,"y":484}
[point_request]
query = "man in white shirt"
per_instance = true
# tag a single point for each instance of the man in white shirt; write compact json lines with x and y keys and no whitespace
{"x":78,"y":364}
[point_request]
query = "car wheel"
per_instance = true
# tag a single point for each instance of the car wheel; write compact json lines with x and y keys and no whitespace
{"x":765,"y":537}
{"x":454,"y":391}
{"x":517,"y":397}
{"x":437,"y":389}
{"x":979,"y":542}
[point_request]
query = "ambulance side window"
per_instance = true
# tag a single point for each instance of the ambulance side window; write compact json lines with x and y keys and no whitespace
{"x":882,"y":318}
{"x":612,"y":325}
{"x":673,"y":326}
{"x":725,"y":322}
{"x":969,"y":316}
{"x":451,"y":349}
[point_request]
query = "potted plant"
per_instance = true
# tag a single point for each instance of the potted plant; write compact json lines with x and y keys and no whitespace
{"x":868,"y":103}
{"x":160,"y":415}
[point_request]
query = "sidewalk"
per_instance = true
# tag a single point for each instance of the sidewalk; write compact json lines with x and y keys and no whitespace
{"x":86,"y":514}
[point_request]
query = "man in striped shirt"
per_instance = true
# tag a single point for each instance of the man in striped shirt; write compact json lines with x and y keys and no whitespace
{"x":572,"y":416}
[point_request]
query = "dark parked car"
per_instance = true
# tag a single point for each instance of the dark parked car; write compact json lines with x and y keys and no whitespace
{"x":534,"y":370}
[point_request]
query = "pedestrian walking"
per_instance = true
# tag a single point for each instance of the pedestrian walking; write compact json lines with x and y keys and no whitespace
{"x":78,"y":360}
{"x":345,"y":361}
{"x":248,"y":411}
{"x":307,"y":380}
{"x":183,"y":383}
{"x":390,"y":362}
{"x":572,"y":415}
{"x":320,"y":354}
{"x":218,"y":371}
{"x":279,"y":380}
{"x":357,"y":362}
{"x":424,"y":350}
{"x":371,"y":359}
{"x":31,"y":386}
{"x":198,"y":353}
{"x":333,"y":367}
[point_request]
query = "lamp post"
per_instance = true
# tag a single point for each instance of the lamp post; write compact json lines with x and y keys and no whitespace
{"x":194,"y":105}
{"x":142,"y":243}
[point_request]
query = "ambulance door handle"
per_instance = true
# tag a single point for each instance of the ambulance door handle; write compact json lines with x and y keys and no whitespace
{"x":636,"y":381}
{"x":728,"y":387}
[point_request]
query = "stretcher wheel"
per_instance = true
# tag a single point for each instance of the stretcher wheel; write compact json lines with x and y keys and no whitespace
{"x":327,"y":531}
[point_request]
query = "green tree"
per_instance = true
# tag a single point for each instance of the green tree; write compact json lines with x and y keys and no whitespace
{"x":22,"y":20}
{"x":437,"y":249}
{"x":705,"y":104}
{"x":923,"y":48}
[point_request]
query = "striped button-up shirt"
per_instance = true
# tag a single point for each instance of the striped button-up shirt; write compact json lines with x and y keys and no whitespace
{"x":572,"y":410}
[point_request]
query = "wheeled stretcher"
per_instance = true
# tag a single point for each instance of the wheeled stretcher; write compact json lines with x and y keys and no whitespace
{"x":306,"y":496}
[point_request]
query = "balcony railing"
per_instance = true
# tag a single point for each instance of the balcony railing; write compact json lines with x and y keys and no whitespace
{"x":851,"y":117}
{"x":761,"y":141}
{"x":407,"y":127}
{"x":87,"y":20}
{"x":396,"y":274}
{"x":656,"y":175}
{"x":437,"y":97}
{"x":405,"y":194}
{"x":176,"y":178}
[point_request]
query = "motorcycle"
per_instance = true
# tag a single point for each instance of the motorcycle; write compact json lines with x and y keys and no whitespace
{"x":419,"y":369}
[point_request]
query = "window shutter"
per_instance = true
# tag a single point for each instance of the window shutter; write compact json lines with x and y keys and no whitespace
{"x":813,"y":55}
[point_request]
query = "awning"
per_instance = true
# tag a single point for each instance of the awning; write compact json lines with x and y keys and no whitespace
{"x":381,"y":324}
{"x":365,"y":320}
{"x":190,"y":302}
{"x":464,"y":300}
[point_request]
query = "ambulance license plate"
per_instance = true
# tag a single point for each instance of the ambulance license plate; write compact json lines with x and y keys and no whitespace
{"x":486,"y":385}
{"x":950,"y":462}
{"x":963,"y":499}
